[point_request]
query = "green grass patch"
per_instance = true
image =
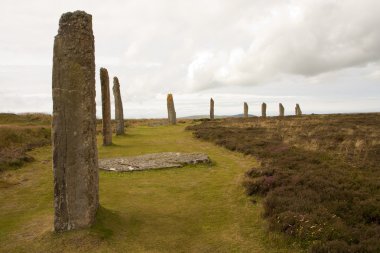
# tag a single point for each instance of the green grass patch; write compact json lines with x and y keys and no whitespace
{"x":191,"y":209}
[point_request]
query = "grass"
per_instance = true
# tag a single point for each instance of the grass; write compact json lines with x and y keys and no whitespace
{"x":20,"y":133}
{"x":26,"y":119}
{"x":192,"y":209}
{"x":17,"y":140}
{"x":319,"y":175}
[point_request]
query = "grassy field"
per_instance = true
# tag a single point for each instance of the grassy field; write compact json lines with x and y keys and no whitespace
{"x":192,"y":209}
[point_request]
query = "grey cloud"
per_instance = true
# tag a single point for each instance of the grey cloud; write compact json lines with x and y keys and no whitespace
{"x":302,"y":38}
{"x":187,"y":47}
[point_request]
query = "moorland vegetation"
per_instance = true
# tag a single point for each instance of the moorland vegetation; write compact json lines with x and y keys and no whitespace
{"x":319,"y":175}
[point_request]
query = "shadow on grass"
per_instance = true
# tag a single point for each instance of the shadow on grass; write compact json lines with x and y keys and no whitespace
{"x":107,"y":223}
{"x":111,"y":225}
{"x":126,"y":135}
{"x":112,"y":145}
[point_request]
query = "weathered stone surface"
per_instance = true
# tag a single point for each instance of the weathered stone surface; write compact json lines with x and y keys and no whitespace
{"x":106,"y":107}
{"x":264,"y":110}
{"x":245,"y":110}
{"x":119,"y":114}
{"x":172,"y":117}
{"x":75,"y":155}
{"x":211,"y":108}
{"x":282,"y":110}
{"x":298,"y":110}
{"x":152,"y":161}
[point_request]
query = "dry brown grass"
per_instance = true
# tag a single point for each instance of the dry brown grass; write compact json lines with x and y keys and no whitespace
{"x":320,"y":175}
{"x":25,"y":119}
{"x":20,"y":133}
{"x":16,"y":141}
{"x":355,"y":137}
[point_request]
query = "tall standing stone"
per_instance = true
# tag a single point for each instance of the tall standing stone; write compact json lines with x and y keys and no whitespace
{"x":75,"y":155}
{"x":106,"y":107}
{"x":211,"y":108}
{"x":282,"y":110}
{"x":264,"y":110}
{"x":171,"y":110}
{"x":298,"y":110}
{"x":245,"y":110}
{"x":119,"y":114}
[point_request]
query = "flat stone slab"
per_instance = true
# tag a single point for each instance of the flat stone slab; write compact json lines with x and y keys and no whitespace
{"x":152,"y":161}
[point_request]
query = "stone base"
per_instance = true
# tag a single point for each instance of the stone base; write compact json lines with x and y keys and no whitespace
{"x":152,"y":161}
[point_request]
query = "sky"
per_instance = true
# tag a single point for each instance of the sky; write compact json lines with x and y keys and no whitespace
{"x":324,"y":55}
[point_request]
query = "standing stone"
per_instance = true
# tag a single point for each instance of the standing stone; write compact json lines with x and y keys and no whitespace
{"x":282,"y":110}
{"x":119,"y":114}
{"x":75,"y":155}
{"x":245,"y":110}
{"x":264,"y":110}
{"x":171,"y":110}
{"x":211,"y":108}
{"x":298,"y":110}
{"x":106,"y":107}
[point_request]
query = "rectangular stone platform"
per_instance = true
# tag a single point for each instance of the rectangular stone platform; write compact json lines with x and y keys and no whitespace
{"x":152,"y":161}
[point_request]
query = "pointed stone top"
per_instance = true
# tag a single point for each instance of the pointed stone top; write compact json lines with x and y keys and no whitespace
{"x":170,"y":96}
{"x":104,"y":78}
{"x":75,"y":21}
{"x":103,"y":71}
{"x":116,"y":81}
{"x":211,"y":99}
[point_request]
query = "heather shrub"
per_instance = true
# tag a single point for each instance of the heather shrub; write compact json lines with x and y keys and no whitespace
{"x":318,"y":175}
{"x":16,"y":141}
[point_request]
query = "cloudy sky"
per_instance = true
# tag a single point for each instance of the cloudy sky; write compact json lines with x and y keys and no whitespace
{"x":322,"y":54}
